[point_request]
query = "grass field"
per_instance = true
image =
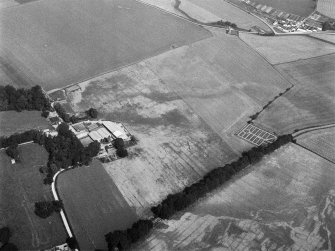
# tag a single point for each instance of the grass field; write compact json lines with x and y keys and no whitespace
{"x":326,"y":7}
{"x":282,"y":203}
{"x":15,"y":122}
{"x":230,"y":13}
{"x":93,"y":204}
{"x":69,"y":41}
{"x":321,"y":141}
{"x":22,"y":186}
{"x":310,"y":102}
{"x":281,"y":49}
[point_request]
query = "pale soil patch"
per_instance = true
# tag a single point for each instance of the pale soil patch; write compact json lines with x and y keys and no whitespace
{"x":283,"y":202}
{"x":16,"y":122}
{"x":320,"y":141}
{"x":310,"y":103}
{"x":229,"y":12}
{"x":281,"y":49}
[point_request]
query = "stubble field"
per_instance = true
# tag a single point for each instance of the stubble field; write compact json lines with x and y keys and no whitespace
{"x":22,"y":186}
{"x":310,"y":102}
{"x":282,"y":203}
{"x":326,"y":7}
{"x":56,"y":43}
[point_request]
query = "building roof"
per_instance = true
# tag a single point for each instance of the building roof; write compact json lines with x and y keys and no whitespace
{"x":103,"y":132}
{"x":95,"y":136}
{"x":93,"y":126}
{"x":81,"y":135}
{"x":79,"y":126}
{"x":86,"y":141}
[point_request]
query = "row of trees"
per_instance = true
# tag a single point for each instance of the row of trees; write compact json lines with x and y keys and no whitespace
{"x":19,"y":138}
{"x":226,"y":23}
{"x":122,"y":239}
{"x":13,"y":152}
{"x":328,"y":25}
{"x":44,"y":209}
{"x":90,"y":113}
{"x":179,"y":201}
{"x":23,"y":99}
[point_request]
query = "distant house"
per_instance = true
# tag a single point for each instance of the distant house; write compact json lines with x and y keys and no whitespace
{"x":12,"y":161}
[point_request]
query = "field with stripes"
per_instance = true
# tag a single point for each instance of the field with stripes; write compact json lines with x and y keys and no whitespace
{"x":310,"y":102}
{"x":321,"y":141}
{"x":285,"y":202}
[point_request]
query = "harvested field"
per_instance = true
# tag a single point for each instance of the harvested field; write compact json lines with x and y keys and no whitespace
{"x":22,"y":186}
{"x":282,"y":203}
{"x":310,"y":103}
{"x":15,"y":122}
{"x":69,"y":41}
{"x":329,"y":38}
{"x":183,"y":106}
{"x":326,"y":7}
{"x":93,"y":204}
{"x":230,"y":13}
{"x":321,"y":141}
{"x":281,"y":49}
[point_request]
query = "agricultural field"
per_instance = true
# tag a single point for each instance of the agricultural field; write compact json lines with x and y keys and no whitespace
{"x":329,"y":38}
{"x":301,"y":8}
{"x":321,"y":141}
{"x":309,"y":103}
{"x":326,"y":7}
{"x":282,"y":49}
{"x":285,"y":202}
{"x":229,"y":12}
{"x":16,"y":122}
{"x":22,"y":186}
{"x":93,"y":204}
{"x":184,"y":108}
{"x":70,"y":41}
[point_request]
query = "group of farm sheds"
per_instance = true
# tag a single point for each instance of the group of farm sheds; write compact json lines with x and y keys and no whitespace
{"x":89,"y":131}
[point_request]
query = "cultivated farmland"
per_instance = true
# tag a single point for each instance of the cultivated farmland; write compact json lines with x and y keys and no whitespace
{"x":281,"y":49}
{"x":310,"y":102}
{"x":94,"y":205}
{"x":183,"y":106}
{"x":69,"y":41}
{"x":326,"y":7}
{"x":282,"y":203}
{"x":16,"y":122}
{"x":321,"y":141}
{"x":22,"y":186}
{"x":230,"y":13}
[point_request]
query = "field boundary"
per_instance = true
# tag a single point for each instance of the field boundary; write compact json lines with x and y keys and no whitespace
{"x":303,"y":59}
{"x":306,"y":148}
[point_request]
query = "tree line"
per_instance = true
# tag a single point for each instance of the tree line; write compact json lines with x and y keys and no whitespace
{"x":90,"y":113}
{"x":181,"y":200}
{"x":122,"y":239}
{"x":214,"y":179}
{"x":5,"y":245}
{"x":23,"y":99}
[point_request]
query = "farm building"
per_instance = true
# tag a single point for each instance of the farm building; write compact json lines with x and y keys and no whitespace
{"x":55,"y":120}
{"x":117,"y":129}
